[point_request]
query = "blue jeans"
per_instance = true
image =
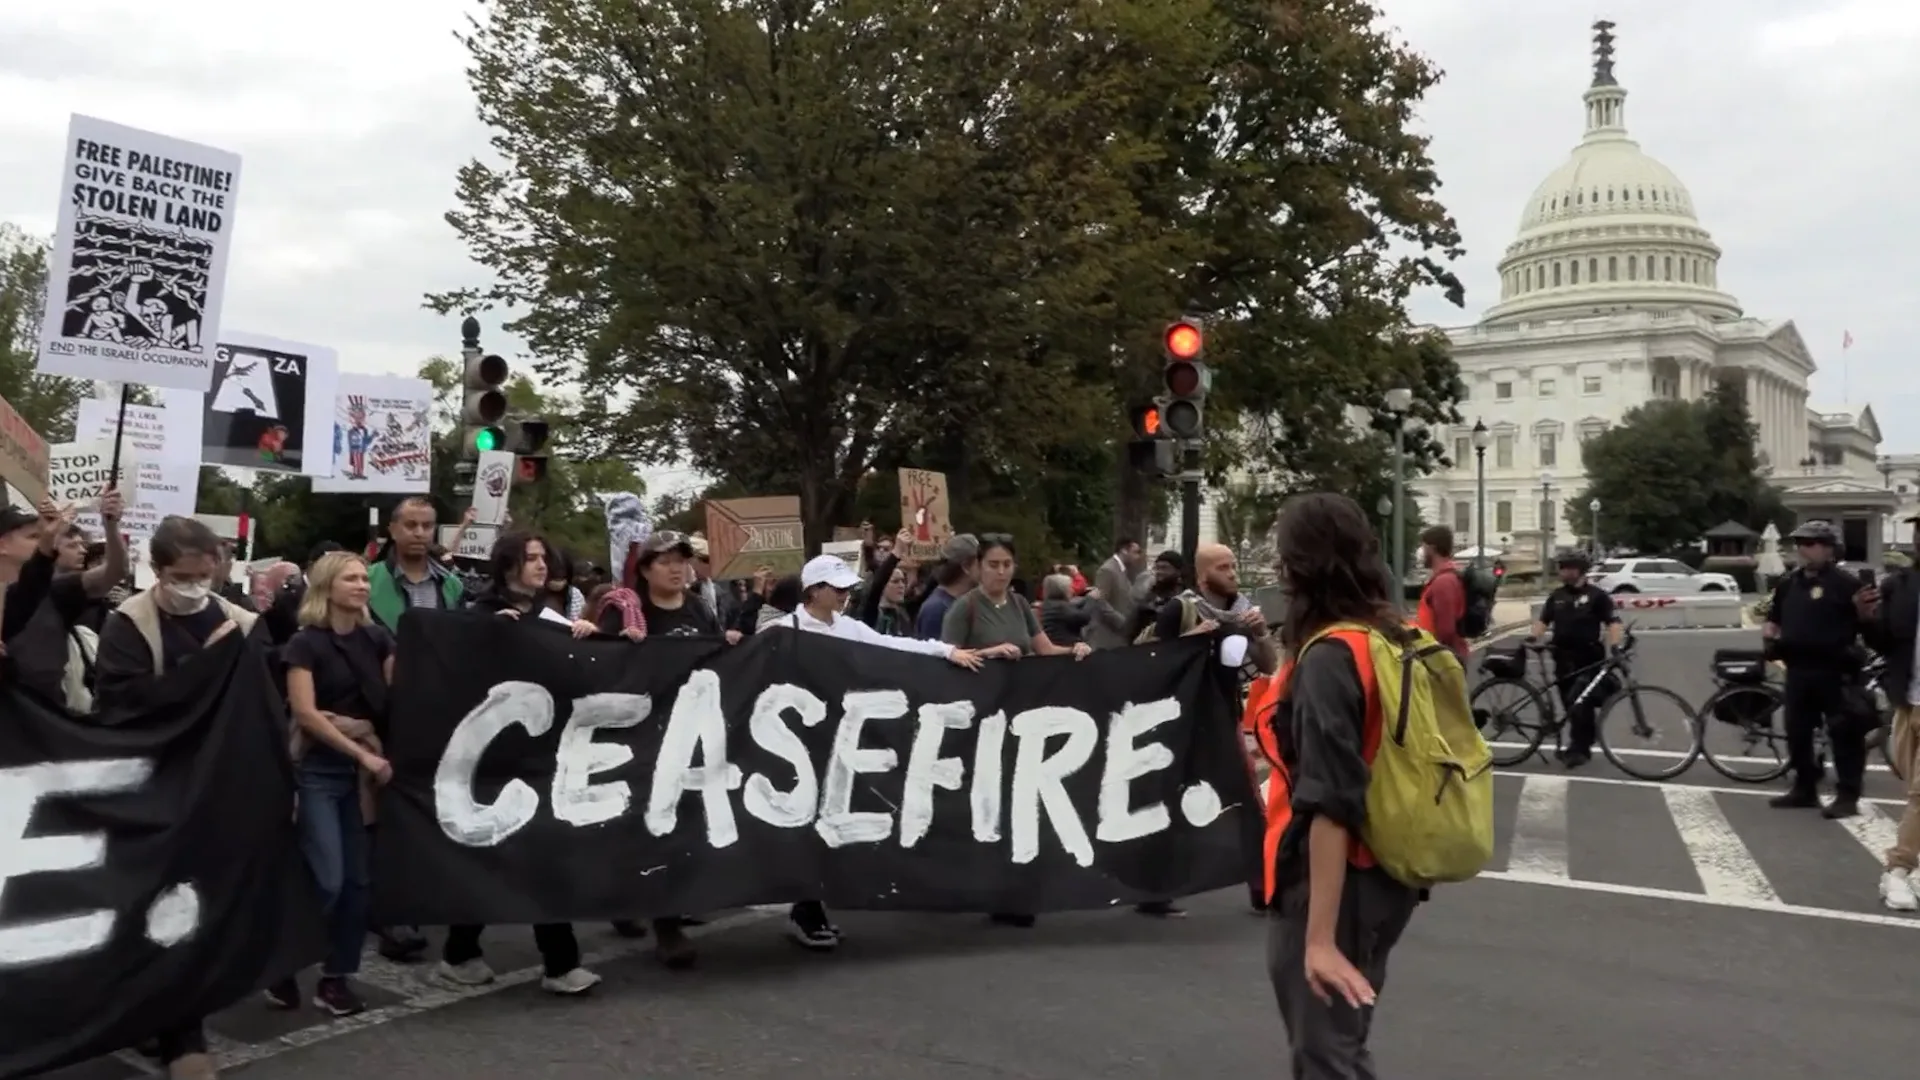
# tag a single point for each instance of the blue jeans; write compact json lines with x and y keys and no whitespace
{"x":334,"y":839}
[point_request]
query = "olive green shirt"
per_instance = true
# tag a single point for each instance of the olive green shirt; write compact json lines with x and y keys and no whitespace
{"x":975,"y":622}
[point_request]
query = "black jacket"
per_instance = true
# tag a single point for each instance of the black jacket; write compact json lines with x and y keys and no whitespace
{"x":1893,"y":630}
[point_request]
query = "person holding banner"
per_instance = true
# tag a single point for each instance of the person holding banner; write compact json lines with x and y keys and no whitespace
{"x":51,"y":597}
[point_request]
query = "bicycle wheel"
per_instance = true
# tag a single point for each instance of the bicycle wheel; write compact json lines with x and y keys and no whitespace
{"x":1743,"y":733}
{"x":1639,"y":736}
{"x":1513,"y":718}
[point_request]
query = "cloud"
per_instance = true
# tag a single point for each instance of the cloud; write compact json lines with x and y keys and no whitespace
{"x":1776,"y":118}
{"x":352,"y":118}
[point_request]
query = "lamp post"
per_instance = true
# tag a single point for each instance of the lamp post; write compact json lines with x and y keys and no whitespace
{"x":1546,"y":518}
{"x":1399,"y":400}
{"x":1481,"y":439}
{"x":1886,"y":471}
{"x":1593,"y":510}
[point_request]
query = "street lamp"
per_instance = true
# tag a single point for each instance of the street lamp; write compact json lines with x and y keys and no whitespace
{"x":1593,"y":512}
{"x":1886,"y":471}
{"x":1399,"y":400}
{"x":1546,"y":517}
{"x":1482,"y":438}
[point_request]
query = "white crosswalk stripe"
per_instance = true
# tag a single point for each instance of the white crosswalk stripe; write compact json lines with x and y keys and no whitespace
{"x":1701,"y":844}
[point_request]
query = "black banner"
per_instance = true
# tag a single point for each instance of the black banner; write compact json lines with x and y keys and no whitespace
{"x":149,"y":869}
{"x":538,"y":778}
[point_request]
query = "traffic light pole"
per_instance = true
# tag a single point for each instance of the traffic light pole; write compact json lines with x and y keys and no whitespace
{"x":1190,"y":503}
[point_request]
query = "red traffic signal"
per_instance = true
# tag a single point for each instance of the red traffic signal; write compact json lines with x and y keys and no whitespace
{"x":1184,"y":341}
{"x":1146,"y":421}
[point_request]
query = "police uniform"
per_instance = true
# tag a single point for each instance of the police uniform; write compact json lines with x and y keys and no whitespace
{"x":1818,"y":626}
{"x":1577,"y":618}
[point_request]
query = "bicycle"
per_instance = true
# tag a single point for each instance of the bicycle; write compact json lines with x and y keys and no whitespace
{"x":1745,"y":702}
{"x":1613,"y":677}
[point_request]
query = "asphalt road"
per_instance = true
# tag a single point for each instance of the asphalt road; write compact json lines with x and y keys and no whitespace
{"x":1682,"y":928}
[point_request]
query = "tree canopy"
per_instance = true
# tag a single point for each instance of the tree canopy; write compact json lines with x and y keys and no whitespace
{"x":48,"y":402}
{"x":801,"y":244}
{"x":1671,"y":470}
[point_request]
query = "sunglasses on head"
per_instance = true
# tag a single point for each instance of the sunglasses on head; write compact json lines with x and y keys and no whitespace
{"x":997,"y":538}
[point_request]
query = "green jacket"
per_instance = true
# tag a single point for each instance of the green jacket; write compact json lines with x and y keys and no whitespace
{"x":389,"y":601}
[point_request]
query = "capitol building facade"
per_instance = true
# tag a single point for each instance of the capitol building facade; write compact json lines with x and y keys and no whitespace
{"x":1610,"y":298}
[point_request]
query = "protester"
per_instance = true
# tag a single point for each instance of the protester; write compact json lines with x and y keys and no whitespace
{"x":883,"y":601}
{"x":560,"y":596}
{"x":783,"y":597}
{"x":50,"y":648}
{"x":956,"y":574}
{"x":669,"y":604}
{"x":1155,"y":589}
{"x":1444,"y":599}
{"x":406,"y":575}
{"x":826,"y":582}
{"x":700,"y":583}
{"x":993,"y":622}
{"x":338,"y":669}
{"x":1335,"y":916}
{"x":1066,"y":617}
{"x":152,"y":633}
{"x":514,"y":588}
{"x":1219,"y":600}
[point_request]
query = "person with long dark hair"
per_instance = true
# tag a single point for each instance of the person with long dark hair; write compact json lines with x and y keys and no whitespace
{"x":516,"y":589}
{"x":1335,"y":914}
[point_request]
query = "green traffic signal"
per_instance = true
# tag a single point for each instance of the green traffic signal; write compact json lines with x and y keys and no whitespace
{"x":486,"y":439}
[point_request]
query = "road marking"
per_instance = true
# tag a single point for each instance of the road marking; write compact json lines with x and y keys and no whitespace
{"x":1540,"y":828}
{"x":425,"y":994}
{"x":1627,"y":782}
{"x":1875,"y":831}
{"x":1726,"y":868}
{"x":1675,"y":755}
{"x":1641,"y":892}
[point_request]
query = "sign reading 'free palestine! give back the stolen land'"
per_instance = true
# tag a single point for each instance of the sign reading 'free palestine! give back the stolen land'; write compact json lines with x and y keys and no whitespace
{"x":744,"y":535}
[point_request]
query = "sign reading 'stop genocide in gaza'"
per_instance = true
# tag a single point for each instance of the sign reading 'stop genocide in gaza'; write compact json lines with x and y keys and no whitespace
{"x":744,"y":535}
{"x":139,"y":264}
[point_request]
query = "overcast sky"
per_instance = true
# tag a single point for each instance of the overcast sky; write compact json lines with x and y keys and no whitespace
{"x":1787,"y":119}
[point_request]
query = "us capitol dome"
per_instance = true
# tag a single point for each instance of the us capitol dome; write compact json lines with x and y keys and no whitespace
{"x":1610,"y":297}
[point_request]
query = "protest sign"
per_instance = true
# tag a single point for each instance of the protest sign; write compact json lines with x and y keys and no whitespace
{"x":382,"y":436}
{"x":79,"y":473}
{"x":23,"y":455}
{"x":150,"y":872}
{"x":797,"y":766}
{"x":139,"y":264}
{"x":270,"y":406}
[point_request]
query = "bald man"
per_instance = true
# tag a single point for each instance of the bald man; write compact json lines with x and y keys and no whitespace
{"x":1216,"y":576}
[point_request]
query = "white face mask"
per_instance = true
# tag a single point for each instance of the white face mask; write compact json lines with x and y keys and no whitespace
{"x":183,"y":599}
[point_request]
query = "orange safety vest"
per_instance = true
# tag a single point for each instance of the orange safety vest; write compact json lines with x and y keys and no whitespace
{"x":1265,"y":698}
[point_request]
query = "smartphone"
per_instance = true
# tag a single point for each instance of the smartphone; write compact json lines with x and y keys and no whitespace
{"x":1868,"y":578}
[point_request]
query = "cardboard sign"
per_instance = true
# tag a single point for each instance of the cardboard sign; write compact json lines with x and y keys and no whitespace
{"x":746,"y":534}
{"x":924,"y":513}
{"x":848,"y":551}
{"x":23,"y":455}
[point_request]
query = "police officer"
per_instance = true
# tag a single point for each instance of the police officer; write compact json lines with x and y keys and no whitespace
{"x":1812,"y":625}
{"x":1580,"y":616}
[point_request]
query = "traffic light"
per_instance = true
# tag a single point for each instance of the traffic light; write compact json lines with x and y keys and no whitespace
{"x":528,"y":441}
{"x":1150,"y":452}
{"x":1186,"y":379}
{"x":485,"y":405}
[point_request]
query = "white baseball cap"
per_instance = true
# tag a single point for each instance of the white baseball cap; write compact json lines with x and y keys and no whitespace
{"x":828,"y":570}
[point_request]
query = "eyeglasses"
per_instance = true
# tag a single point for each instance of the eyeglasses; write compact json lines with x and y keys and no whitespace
{"x":1005,"y":539}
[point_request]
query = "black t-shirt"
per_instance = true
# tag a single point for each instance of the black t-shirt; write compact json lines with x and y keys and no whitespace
{"x":182,"y":636}
{"x":37,"y":585}
{"x":693,"y":618}
{"x":349,"y":677}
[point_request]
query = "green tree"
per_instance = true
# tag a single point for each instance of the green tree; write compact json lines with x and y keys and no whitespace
{"x":831,"y":238}
{"x":1654,"y":476}
{"x":48,"y":402}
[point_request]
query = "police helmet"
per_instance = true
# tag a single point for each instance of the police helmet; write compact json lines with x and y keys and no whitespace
{"x":1575,"y":559}
{"x":1816,"y":532}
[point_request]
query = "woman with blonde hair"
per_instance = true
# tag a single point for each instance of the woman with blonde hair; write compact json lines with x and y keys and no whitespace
{"x":339,"y":665}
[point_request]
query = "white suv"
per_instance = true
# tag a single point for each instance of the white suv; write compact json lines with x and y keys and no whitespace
{"x":1667,"y":576}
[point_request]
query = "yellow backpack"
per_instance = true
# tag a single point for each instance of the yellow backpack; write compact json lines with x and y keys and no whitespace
{"x":1430,"y":800}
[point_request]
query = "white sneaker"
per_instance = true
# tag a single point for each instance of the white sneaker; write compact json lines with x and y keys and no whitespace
{"x":471,"y":973}
{"x":1896,"y":891}
{"x":577,"y":981}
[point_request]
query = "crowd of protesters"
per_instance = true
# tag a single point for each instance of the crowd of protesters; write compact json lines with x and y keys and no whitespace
{"x":77,"y":632}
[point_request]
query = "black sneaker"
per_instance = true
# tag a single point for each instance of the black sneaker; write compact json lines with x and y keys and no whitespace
{"x":1574,"y":759}
{"x":1797,"y":799}
{"x":1003,"y":918}
{"x":283,"y":995}
{"x":672,"y":946}
{"x":1842,"y":806}
{"x":809,"y":927}
{"x":401,"y":944}
{"x":337,"y":997}
{"x":1163,"y":909}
